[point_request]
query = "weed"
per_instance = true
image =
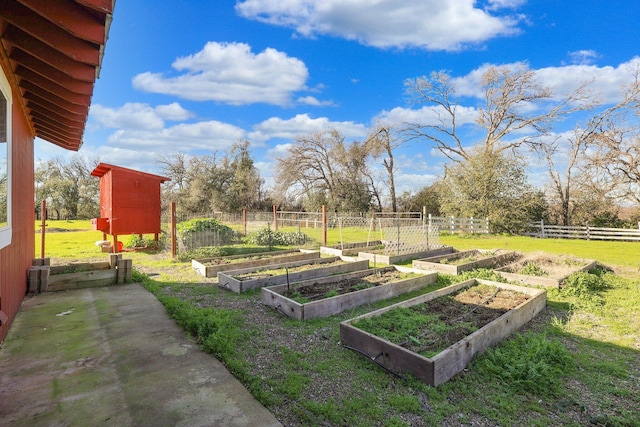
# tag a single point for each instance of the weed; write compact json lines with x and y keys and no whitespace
{"x":528,"y":363}
{"x":532,"y":269}
{"x":584,"y":290}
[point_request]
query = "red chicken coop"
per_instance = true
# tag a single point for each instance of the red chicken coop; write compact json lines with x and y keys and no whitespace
{"x":129,"y":202}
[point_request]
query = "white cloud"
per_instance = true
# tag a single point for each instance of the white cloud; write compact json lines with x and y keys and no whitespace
{"x":607,"y":80}
{"x":132,"y":115}
{"x":173,"y":112}
{"x":312,"y":100}
{"x":230,"y":73}
{"x":210,"y":135}
{"x":426,"y":115}
{"x":302,"y":124}
{"x":135,"y":115}
{"x":426,"y":24}
{"x":505,"y":4}
{"x":583,"y":57}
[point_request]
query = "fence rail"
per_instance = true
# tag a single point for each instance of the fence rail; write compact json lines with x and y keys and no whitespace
{"x":341,"y":226}
{"x":586,"y":232}
{"x":459,"y":225}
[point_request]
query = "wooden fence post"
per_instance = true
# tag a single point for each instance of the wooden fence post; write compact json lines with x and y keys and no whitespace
{"x":453,"y":226}
{"x":244,"y":221}
{"x":275,"y":218}
{"x":43,"y":226}
{"x":471,"y":224}
{"x":174,"y":238}
{"x":486,"y":225}
{"x":324,"y":225}
{"x":542,"y":228}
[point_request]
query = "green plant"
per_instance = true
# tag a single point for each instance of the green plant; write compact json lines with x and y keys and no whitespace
{"x":268,"y":237}
{"x":528,"y":363}
{"x":197,"y":232}
{"x":584,"y":290}
{"x":138,"y":241}
{"x":532,"y":269}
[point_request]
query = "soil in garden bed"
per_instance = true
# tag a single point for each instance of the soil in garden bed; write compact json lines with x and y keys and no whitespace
{"x":544,"y":265}
{"x":316,"y":291}
{"x":224,"y":261}
{"x":433,"y":326}
{"x":268,"y":272}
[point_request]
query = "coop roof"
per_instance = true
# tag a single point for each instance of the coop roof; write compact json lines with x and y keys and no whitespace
{"x":103,"y":168}
{"x":54,"y":50}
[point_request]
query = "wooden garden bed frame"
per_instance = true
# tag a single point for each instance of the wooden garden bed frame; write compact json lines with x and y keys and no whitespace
{"x":270,"y":258}
{"x":449,"y":362}
{"x":434,"y":264}
{"x":272,"y":295}
{"x":547,"y":282}
{"x":42,"y":277}
{"x":226,"y":279}
{"x":380,"y":258}
{"x":348,"y":249}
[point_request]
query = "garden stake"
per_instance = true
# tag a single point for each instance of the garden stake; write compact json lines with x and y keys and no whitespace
{"x":288,"y":284}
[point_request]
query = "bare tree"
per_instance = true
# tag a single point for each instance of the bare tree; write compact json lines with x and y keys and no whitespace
{"x":614,"y":148}
{"x":383,"y":142}
{"x":514,"y":101}
{"x":174,"y":166}
{"x":323,"y":169}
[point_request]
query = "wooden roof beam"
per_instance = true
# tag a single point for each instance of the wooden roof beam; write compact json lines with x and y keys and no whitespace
{"x":52,"y":36}
{"x":33,"y":92}
{"x":70,"y":16}
{"x":48,"y":72}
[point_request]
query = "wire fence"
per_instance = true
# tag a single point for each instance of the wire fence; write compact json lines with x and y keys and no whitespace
{"x":399,"y":232}
{"x":407,"y":235}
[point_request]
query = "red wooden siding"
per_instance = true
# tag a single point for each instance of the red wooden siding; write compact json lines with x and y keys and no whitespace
{"x":129,"y":199}
{"x":50,"y":52}
{"x":15,"y":259}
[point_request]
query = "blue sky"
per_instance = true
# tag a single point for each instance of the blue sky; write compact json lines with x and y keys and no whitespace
{"x":195,"y":76}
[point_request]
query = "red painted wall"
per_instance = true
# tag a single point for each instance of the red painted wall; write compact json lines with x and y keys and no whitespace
{"x":130,"y":199}
{"x":16,"y":258}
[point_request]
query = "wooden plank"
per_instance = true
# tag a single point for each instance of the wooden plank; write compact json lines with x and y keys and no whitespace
{"x":340,"y":303}
{"x":547,"y":282}
{"x":272,"y":295}
{"x":89,"y":279}
{"x":446,"y":364}
{"x":390,"y":259}
{"x":80,"y":266}
{"x":226,"y":279}
{"x":213,"y":270}
{"x":455,"y":358}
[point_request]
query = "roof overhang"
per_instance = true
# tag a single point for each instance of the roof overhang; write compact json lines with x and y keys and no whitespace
{"x":53,"y":50}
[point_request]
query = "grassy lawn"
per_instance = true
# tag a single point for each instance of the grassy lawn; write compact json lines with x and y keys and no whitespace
{"x":577,"y":363}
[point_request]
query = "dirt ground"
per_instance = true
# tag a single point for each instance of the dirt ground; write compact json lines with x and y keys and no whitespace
{"x":315,"y":291}
{"x":459,"y":315}
{"x":555,"y":266}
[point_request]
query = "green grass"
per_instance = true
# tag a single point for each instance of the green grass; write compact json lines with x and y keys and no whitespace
{"x":609,"y":253}
{"x":576,"y":365}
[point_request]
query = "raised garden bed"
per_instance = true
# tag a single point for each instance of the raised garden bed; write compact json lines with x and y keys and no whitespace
{"x":250,"y":278}
{"x":458,"y":262}
{"x":210,"y":267}
{"x":332,"y":295}
{"x":43,"y":277}
{"x":349,"y":249}
{"x":514,"y":307}
{"x":378,"y":257}
{"x":544,"y":270}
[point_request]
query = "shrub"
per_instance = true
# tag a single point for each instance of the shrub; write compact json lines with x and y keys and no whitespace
{"x":200,"y":232}
{"x":135,"y":241}
{"x":268,"y":237}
